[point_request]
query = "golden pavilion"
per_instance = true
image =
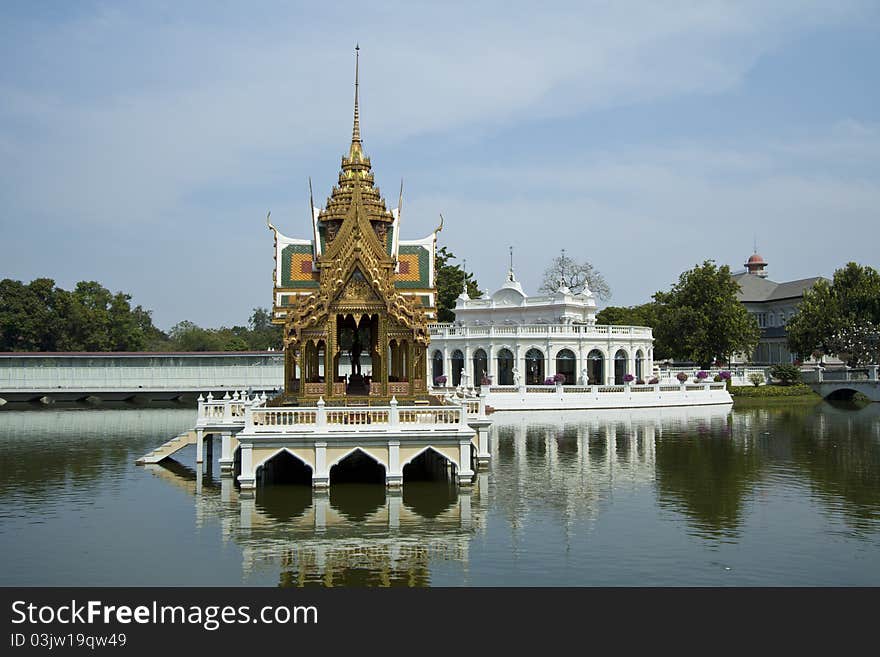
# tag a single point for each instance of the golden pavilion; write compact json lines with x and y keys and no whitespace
{"x":355,"y":300}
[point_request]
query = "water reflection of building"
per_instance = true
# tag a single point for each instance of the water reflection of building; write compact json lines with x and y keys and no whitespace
{"x":572,"y":463}
{"x":355,"y":534}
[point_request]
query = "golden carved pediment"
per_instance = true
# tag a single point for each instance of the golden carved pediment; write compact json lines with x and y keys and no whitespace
{"x":357,"y":291}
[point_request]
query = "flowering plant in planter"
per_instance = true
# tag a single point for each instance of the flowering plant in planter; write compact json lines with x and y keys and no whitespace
{"x":682,"y":377}
{"x":486,"y":381}
{"x":702,"y":375}
{"x":725,"y":375}
{"x":549,"y":381}
{"x":628,"y":378}
{"x":653,"y":381}
{"x":640,"y":382}
{"x":440,"y":380}
{"x":559,"y":378}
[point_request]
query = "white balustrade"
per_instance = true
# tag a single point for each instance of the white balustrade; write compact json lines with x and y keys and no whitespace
{"x":531,"y":330}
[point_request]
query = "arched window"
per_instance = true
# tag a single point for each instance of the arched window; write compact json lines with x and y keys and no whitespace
{"x":436,"y":365}
{"x":566,"y":364}
{"x":505,"y":367}
{"x":534,"y":367}
{"x":640,"y":365}
{"x":595,"y":368}
{"x":619,"y":367}
{"x":457,"y":366}
{"x":481,"y":366}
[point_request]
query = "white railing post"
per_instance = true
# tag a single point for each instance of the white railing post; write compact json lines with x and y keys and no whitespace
{"x":321,"y":415}
{"x":462,"y":418}
{"x":874,"y":369}
{"x":482,"y":411}
{"x":393,"y":413}
{"x":201,"y":401}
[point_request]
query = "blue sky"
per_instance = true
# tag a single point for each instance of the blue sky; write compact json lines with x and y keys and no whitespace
{"x":141,"y":144}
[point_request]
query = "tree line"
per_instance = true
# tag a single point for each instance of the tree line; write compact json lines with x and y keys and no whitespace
{"x":41,"y":316}
{"x":700,"y":319}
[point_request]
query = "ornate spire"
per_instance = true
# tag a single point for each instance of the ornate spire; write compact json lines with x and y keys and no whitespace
{"x":356,"y":184}
{"x":356,"y":129}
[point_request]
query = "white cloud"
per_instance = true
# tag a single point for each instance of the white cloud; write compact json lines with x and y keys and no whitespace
{"x":645,"y":215}
{"x":127,"y":120}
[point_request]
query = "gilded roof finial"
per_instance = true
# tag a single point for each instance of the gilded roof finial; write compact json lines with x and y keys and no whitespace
{"x":510,"y":276}
{"x":356,"y":130}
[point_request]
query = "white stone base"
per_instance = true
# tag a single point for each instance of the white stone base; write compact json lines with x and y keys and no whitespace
{"x":596,"y":397}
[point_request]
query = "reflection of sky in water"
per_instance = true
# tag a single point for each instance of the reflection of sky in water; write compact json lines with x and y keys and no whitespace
{"x":771,"y":495}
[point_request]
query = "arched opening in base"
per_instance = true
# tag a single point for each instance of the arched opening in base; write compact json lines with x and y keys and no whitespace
{"x":430,"y":465}
{"x":358,"y":467}
{"x":284,"y":469}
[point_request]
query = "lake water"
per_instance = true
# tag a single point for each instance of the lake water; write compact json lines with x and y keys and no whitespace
{"x":771,"y":495}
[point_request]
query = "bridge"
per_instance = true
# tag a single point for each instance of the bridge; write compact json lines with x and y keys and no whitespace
{"x":845,"y":383}
{"x":132,"y":376}
{"x":258,"y":441}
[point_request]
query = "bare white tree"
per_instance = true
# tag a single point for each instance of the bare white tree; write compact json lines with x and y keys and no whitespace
{"x":576,"y":276}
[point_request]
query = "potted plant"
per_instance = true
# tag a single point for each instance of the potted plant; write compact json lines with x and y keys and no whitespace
{"x":702,"y":375}
{"x":653,"y":381}
{"x":628,"y":378}
{"x":559,"y":378}
{"x":486,"y":381}
{"x":682,"y":377}
{"x":440,"y":381}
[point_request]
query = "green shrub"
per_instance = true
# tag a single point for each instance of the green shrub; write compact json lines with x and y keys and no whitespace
{"x":786,"y":374}
{"x":796,"y":390}
{"x":756,"y":378}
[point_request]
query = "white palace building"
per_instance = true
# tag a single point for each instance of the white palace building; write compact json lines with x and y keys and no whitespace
{"x":512,"y":338}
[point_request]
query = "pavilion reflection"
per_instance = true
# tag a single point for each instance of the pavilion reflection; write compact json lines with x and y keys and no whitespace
{"x":352,"y":534}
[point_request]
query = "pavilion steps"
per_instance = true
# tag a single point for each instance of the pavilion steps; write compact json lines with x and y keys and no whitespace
{"x":168,"y":449}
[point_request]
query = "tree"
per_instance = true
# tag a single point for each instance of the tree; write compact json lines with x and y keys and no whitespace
{"x":647,"y":314}
{"x":700,"y":318}
{"x":857,"y":343}
{"x":32,"y":315}
{"x":835,"y":310}
{"x":187,"y":336}
{"x":576,"y":277}
{"x":786,"y":373}
{"x":262,"y":333}
{"x":450,"y":280}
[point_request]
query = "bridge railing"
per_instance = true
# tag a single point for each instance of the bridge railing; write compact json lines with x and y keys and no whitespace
{"x":869,"y":373}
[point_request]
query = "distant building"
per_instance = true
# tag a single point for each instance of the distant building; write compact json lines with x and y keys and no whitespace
{"x":510,"y":334}
{"x":773,"y":304}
